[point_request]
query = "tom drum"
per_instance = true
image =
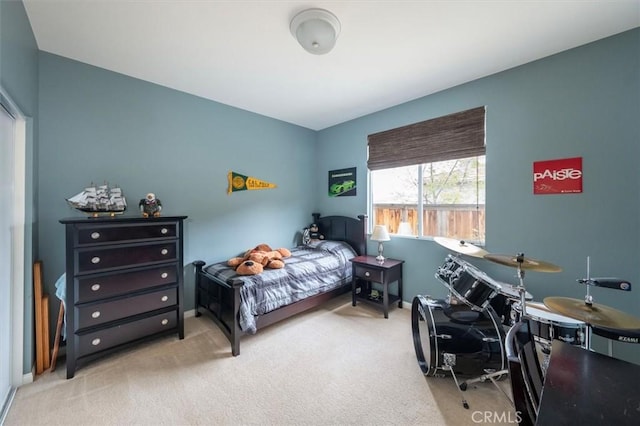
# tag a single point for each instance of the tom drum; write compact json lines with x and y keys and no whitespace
{"x":505,"y":301}
{"x":473,"y":286}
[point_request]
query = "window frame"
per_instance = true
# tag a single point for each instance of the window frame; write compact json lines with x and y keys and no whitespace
{"x":420,"y":205}
{"x":454,"y":136}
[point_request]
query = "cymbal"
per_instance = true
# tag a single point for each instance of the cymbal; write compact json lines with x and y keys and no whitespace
{"x":527,"y":262}
{"x":461,"y":246}
{"x":594,"y":314}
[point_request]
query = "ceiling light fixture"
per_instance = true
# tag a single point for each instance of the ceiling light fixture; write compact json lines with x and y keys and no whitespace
{"x":316,"y":30}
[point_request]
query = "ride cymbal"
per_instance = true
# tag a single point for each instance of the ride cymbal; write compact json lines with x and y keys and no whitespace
{"x":461,"y":246}
{"x":523,"y":262}
{"x":594,"y":314}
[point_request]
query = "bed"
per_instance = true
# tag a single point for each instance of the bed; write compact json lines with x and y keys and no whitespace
{"x":312,"y":275}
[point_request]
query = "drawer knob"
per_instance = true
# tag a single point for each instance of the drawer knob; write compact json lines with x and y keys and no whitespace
{"x":165,"y":321}
{"x":95,"y":287}
{"x":164,"y":275}
{"x":366,"y":274}
{"x":164,"y":251}
{"x":95,"y":314}
{"x":164,"y":298}
{"x":95,"y":259}
{"x":95,"y":342}
{"x":95,"y":235}
{"x":164,"y":231}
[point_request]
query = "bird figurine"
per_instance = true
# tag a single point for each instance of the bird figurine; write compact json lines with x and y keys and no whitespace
{"x":150,"y":205}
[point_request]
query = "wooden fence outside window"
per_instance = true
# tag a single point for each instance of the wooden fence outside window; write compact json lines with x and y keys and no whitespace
{"x":458,"y":221}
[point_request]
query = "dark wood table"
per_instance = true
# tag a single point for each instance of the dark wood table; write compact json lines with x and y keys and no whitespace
{"x":367,"y":269}
{"x":587,"y":388}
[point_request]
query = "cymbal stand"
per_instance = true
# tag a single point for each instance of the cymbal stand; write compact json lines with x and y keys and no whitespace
{"x":521,"y":288}
{"x":588,"y":300}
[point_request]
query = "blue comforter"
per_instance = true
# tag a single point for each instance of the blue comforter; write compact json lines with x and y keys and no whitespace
{"x":316,"y":268}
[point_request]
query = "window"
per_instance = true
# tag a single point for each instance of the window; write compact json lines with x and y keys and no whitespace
{"x":428,"y":179}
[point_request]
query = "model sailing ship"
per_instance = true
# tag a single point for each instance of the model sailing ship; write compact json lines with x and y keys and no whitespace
{"x":99,"y":201}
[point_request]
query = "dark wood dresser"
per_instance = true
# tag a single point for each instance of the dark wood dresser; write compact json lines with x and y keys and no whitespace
{"x":124,"y":283}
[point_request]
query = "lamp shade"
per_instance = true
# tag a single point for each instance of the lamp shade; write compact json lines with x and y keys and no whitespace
{"x":316,"y":30}
{"x":380,"y":233}
{"x":404,"y":229}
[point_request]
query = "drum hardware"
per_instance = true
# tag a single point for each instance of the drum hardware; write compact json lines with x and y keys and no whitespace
{"x":505,"y":301}
{"x":606,"y":321}
{"x":609,"y":282}
{"x":457,"y":340}
{"x":546,"y":326}
{"x":449,"y":363}
{"x":614,"y":283}
{"x":490,"y":375}
{"x":522,"y":263}
{"x":588,"y":300}
{"x":600,"y":319}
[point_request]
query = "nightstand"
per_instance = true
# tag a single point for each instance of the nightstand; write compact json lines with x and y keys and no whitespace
{"x":367,"y":270}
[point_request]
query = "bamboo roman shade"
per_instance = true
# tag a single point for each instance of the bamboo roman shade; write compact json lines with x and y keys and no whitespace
{"x":453,"y":136}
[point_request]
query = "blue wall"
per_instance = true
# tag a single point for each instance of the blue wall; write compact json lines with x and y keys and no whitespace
{"x":98,"y":125}
{"x":584,"y":102}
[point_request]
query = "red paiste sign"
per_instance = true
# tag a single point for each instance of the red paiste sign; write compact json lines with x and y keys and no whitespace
{"x":562,"y":176}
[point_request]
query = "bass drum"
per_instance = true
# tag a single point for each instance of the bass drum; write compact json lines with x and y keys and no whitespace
{"x":455,"y":337}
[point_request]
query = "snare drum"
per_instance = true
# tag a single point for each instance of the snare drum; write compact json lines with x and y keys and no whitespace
{"x":456,"y":338}
{"x":504,"y":303}
{"x":546,"y":325}
{"x":473,"y":286}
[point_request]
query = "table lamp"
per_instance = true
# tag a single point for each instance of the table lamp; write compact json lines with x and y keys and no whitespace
{"x":380,"y":234}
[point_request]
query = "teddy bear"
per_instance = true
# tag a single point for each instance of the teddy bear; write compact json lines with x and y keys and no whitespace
{"x":249,"y":267}
{"x":314,"y":233}
{"x":256,"y":259}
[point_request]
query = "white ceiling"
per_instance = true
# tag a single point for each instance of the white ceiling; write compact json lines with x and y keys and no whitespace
{"x":241,"y":53}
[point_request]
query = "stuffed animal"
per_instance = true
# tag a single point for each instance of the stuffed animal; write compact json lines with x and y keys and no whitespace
{"x":249,"y":267}
{"x":261,"y":255}
{"x":314,"y":233}
{"x":150,"y":205}
{"x":306,"y":236}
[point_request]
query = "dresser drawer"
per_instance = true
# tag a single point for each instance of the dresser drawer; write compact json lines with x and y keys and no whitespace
{"x":370,"y":274}
{"x":96,"y":259}
{"x":91,"y":288}
{"x":100,"y":313}
{"x":96,"y":341}
{"x":124,"y":233}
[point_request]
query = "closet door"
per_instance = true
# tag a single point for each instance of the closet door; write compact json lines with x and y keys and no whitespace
{"x":7,"y":125}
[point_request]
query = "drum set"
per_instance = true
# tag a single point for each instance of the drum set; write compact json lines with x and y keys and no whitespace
{"x":464,"y":334}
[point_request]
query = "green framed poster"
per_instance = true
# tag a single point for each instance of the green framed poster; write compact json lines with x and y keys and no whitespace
{"x":342,"y":182}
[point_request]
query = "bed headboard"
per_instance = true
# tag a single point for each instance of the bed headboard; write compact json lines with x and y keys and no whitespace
{"x":344,"y":228}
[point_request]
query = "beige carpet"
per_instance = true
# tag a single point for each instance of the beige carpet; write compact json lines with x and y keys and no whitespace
{"x":336,"y":365}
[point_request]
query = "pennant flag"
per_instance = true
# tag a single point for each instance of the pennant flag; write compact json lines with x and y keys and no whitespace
{"x":238,"y":182}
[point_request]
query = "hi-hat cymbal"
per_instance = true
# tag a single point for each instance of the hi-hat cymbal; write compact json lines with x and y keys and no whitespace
{"x":460,"y":246}
{"x":594,"y":314}
{"x":523,"y":262}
